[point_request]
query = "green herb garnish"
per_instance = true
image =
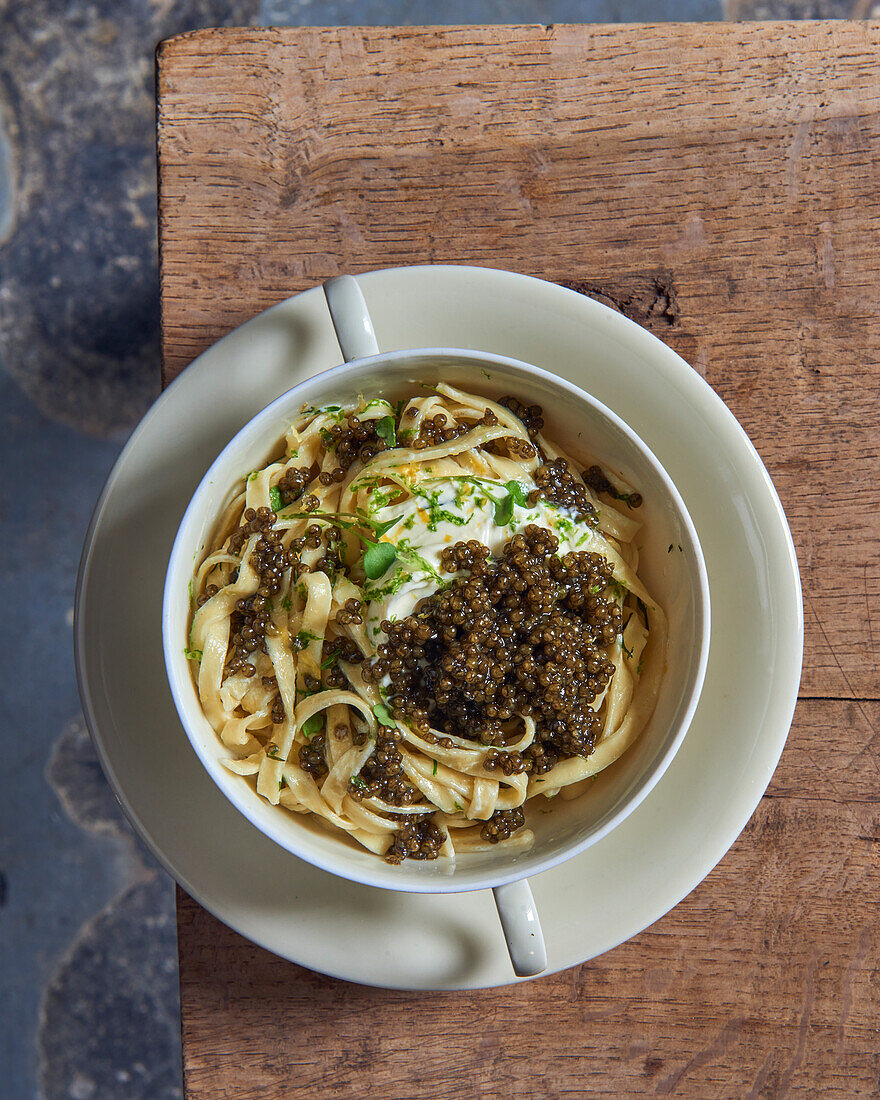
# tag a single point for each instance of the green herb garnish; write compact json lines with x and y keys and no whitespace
{"x":385,"y":430}
{"x":504,"y":505}
{"x":380,"y":556}
{"x":193,"y":654}
{"x":273,"y":755}
{"x":457,"y":805}
{"x":286,"y":604}
{"x":383,"y":715}
{"x":434,"y":772}
{"x":381,"y":528}
{"x":275,"y":499}
{"x":356,"y":781}
{"x":312,"y":725}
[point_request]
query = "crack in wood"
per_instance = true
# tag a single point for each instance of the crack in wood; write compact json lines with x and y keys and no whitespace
{"x":650,"y":300}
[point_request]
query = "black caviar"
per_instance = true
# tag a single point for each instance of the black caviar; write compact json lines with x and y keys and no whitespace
{"x":353,"y":439}
{"x":419,"y":839}
{"x":522,"y":634}
{"x":558,"y":485}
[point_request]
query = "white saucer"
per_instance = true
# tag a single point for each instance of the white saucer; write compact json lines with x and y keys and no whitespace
{"x":588,"y":905}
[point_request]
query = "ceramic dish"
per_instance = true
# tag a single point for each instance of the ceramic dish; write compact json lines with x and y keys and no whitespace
{"x":626,"y":880}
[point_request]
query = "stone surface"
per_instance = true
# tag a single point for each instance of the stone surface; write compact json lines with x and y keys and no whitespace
{"x":110,"y":1024}
{"x":78,"y":287}
{"x":304,"y":13}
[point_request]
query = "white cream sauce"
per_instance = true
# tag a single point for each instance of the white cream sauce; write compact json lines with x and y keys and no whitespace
{"x":440,"y":513}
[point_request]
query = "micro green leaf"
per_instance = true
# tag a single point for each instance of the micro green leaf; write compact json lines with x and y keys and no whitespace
{"x":380,"y":528}
{"x":504,"y":510}
{"x":313,"y":725}
{"x":378,"y":559}
{"x":504,"y":505}
{"x":383,"y":715}
{"x":385,"y":430}
{"x":275,"y":500}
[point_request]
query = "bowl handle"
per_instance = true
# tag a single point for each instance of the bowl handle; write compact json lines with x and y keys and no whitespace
{"x":522,"y":929}
{"x":350,"y":317}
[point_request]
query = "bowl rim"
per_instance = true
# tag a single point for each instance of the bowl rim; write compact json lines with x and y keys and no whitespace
{"x":179,"y":562}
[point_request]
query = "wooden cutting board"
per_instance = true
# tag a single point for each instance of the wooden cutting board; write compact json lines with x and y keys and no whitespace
{"x":721,"y":185}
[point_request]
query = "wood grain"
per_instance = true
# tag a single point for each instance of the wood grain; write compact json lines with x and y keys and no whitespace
{"x":764,"y":982}
{"x":719,"y":184}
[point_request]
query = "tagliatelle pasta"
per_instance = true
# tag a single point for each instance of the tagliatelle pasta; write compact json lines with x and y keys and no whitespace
{"x":417,"y":617}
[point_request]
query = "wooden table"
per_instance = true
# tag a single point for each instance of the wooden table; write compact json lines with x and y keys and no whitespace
{"x":721,"y":185}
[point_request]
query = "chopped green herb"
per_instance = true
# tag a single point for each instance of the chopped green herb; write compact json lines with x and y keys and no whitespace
{"x":274,"y":754}
{"x":356,"y":781}
{"x":628,"y":652}
{"x":253,"y":475}
{"x":434,"y":772}
{"x":275,"y":499}
{"x":385,"y":430}
{"x":286,"y":604}
{"x":192,"y":595}
{"x":313,"y":725}
{"x":457,"y":805}
{"x":383,"y":715}
{"x":330,"y":661}
{"x":485,"y":373}
{"x":380,"y":556}
{"x":639,"y":667}
{"x":193,"y":654}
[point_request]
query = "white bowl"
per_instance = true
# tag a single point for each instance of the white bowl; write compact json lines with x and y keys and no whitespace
{"x":676,"y":578}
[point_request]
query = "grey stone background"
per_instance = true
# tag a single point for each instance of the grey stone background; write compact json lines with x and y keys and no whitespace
{"x":88,"y":970}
